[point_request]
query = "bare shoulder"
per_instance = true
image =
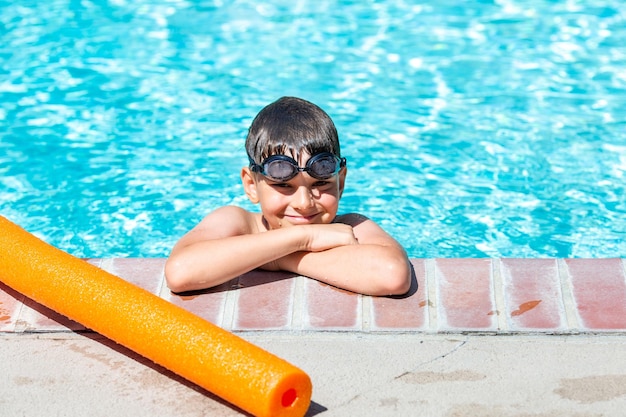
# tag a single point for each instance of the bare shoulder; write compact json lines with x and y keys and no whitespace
{"x":366,"y":230}
{"x":353,"y":219}
{"x":228,"y":221}
{"x":223,"y":222}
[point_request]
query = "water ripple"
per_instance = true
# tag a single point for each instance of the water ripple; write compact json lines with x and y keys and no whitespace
{"x":491,"y":129}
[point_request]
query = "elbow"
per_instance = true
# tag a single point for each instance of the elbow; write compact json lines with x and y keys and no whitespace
{"x":175,"y":276}
{"x":181,"y":276}
{"x":398,"y":285}
{"x":397,"y":279}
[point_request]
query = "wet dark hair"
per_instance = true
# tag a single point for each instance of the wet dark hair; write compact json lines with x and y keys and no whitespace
{"x":290,"y":126}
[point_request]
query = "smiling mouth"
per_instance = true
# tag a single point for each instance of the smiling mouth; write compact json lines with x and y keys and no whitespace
{"x":301,"y":219}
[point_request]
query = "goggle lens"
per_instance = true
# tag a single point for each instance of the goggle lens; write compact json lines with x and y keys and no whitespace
{"x":283,"y":168}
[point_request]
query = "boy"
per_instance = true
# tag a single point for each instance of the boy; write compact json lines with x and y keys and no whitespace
{"x":296,"y":175}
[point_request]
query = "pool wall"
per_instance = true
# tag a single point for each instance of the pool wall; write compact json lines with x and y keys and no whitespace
{"x":490,"y":296}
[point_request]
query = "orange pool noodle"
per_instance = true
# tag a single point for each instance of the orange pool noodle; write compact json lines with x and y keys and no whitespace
{"x":228,"y":366}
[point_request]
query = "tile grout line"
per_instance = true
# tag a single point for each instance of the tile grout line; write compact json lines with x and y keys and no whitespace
{"x":21,"y":322}
{"x":162,"y":289}
{"x":430,"y":278}
{"x":366,"y":312}
{"x":499,"y":294}
{"x":107,"y":265}
{"x":567,"y":296}
{"x":297,"y":304}
{"x":19,"y":325}
{"x":95,"y":261}
{"x":229,"y":306}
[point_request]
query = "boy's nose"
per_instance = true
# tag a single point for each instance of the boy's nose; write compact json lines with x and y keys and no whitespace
{"x":303,"y":198}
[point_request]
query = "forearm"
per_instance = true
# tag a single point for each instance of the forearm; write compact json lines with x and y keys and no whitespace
{"x":365,"y":269}
{"x":209,"y":263}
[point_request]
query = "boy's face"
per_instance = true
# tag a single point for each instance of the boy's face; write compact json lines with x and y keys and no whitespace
{"x":300,"y":200}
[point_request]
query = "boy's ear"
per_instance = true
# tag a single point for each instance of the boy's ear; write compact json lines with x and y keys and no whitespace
{"x":249,"y":185}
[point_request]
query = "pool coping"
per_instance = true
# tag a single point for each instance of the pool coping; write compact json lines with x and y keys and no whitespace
{"x":449,"y":295}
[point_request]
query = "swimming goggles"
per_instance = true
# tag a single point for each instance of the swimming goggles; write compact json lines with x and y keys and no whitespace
{"x":283,"y":168}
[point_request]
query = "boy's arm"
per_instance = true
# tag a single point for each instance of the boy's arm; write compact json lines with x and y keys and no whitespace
{"x":226,"y":244}
{"x":222,"y":246}
{"x":378,"y":265}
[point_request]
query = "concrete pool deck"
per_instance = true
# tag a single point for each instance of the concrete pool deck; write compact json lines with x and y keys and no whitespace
{"x":484,"y":337}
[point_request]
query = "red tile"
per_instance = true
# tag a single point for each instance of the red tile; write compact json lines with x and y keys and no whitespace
{"x":532,"y":294}
{"x":407,"y":313}
{"x":328,"y":307}
{"x":265,"y":301}
{"x":599,"y":289}
{"x":465,"y":296}
{"x":146,"y":273}
{"x":208,"y":304}
{"x":10,"y":305}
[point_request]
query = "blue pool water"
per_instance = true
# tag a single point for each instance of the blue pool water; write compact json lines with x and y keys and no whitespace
{"x":491,"y":128}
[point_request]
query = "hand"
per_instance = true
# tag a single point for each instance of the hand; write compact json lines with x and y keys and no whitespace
{"x":327,"y":236}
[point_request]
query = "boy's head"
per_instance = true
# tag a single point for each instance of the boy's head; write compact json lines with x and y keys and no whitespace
{"x":290,"y":126}
{"x":296,"y":172}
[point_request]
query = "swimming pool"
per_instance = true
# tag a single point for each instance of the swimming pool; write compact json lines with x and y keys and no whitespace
{"x":496,"y":128}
